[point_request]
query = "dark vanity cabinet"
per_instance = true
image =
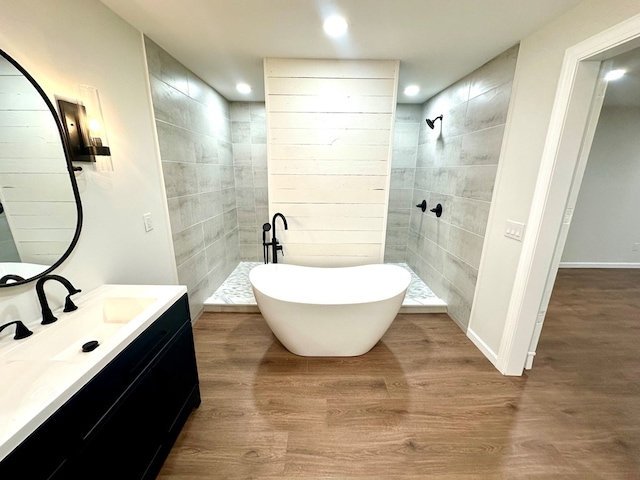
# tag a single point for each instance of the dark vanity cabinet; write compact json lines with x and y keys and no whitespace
{"x":122,"y":424}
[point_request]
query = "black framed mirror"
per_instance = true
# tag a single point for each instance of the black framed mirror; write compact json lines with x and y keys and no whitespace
{"x":41,"y":214}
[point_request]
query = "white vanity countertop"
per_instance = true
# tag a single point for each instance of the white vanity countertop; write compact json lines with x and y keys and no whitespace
{"x":40,"y":373}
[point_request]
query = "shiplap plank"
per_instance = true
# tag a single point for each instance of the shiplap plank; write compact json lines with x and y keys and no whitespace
{"x":43,"y":235}
{"x":329,"y":152}
{"x":331,"y":104}
{"x":39,"y":150}
{"x":25,"y":222}
{"x":317,"y":68}
{"x":332,"y":210}
{"x":22,"y":101}
{"x":371,"y":121}
{"x":29,"y":118}
{"x":54,"y":188}
{"x":33,"y":166}
{"x":23,"y":134}
{"x":327,"y":196}
{"x":328,"y":223}
{"x":331,"y":86}
{"x":18,"y":86}
{"x":328,"y":182}
{"x":337,"y":249}
{"x":334,"y":260}
{"x":42,"y":250}
{"x":7,"y":69}
{"x":65,"y":209}
{"x":330,"y":236}
{"x":42,"y":259}
{"x":329,"y":136}
{"x":325,"y":167}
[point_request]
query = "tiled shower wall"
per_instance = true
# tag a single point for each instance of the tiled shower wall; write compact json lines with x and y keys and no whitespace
{"x":194,"y":135}
{"x":215,"y":169}
{"x":403,"y":169}
{"x":249,"y":139}
{"x":456,"y":166}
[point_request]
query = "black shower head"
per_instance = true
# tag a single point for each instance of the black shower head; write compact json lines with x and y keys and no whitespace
{"x":431,"y":122}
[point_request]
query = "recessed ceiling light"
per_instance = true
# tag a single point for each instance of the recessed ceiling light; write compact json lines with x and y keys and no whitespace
{"x":411,"y":90}
{"x":614,"y":75}
{"x":243,"y":88}
{"x":335,"y":26}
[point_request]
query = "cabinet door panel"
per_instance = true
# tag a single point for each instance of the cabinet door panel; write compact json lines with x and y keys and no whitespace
{"x":126,"y":442}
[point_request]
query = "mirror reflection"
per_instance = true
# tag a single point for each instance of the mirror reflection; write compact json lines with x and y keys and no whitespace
{"x":39,"y":214}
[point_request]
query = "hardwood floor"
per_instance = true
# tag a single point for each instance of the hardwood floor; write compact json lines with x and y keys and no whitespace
{"x":424,"y":403}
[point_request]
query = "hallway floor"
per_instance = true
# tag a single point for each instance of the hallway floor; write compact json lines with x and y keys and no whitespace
{"x":424,"y":403}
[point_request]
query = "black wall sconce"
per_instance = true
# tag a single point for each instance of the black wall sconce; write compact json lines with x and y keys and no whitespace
{"x":85,"y":131}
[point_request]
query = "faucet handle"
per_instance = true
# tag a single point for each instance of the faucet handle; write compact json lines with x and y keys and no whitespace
{"x":21,"y":330}
{"x":69,"y":306}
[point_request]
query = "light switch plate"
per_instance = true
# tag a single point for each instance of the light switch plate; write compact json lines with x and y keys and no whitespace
{"x":514,"y":230}
{"x":148,"y":224}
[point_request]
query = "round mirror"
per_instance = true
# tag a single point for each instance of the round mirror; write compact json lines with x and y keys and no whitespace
{"x":40,"y":209}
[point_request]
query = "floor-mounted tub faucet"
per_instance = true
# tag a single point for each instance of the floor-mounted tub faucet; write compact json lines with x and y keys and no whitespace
{"x":69,"y":306}
{"x":275,"y":245}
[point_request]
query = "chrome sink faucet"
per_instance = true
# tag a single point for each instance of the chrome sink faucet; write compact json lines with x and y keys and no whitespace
{"x":69,"y":306}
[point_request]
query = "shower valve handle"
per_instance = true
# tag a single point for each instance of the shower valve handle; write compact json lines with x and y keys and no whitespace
{"x":437,"y":210}
{"x":422,"y":206}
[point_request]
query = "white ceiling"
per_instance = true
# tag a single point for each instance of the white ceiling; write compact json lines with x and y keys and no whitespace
{"x":436,"y":41}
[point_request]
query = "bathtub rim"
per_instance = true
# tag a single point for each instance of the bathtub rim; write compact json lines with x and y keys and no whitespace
{"x":387,"y":296}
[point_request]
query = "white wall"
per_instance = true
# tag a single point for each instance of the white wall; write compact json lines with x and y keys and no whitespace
{"x":606,"y":220}
{"x":70,"y":42}
{"x":537,"y":73}
{"x":329,"y":132}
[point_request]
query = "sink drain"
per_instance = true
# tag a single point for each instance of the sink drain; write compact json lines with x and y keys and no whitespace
{"x":90,"y":346}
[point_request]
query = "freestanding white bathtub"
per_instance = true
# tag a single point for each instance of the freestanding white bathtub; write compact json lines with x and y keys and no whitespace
{"x":329,"y":312}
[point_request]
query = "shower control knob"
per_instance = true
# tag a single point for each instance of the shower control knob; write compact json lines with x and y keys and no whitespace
{"x":422,"y":206}
{"x":437,"y":210}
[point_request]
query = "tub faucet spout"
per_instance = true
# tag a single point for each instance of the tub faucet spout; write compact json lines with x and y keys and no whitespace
{"x":275,"y":245}
{"x":69,"y":306}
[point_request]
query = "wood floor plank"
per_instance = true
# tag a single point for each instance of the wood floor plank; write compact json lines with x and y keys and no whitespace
{"x":424,"y":403}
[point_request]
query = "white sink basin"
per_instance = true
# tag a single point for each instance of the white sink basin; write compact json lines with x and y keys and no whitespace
{"x":98,"y":320}
{"x":41,"y":372}
{"x":124,"y":309}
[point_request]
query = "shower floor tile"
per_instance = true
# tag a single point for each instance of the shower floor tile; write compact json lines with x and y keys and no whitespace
{"x":235,"y":294}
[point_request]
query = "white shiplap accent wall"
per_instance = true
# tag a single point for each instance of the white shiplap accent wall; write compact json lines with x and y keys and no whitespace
{"x":329,"y":133}
{"x":35,"y":188}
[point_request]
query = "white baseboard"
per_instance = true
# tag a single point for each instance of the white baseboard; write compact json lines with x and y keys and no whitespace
{"x":484,"y":348}
{"x":598,"y":265}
